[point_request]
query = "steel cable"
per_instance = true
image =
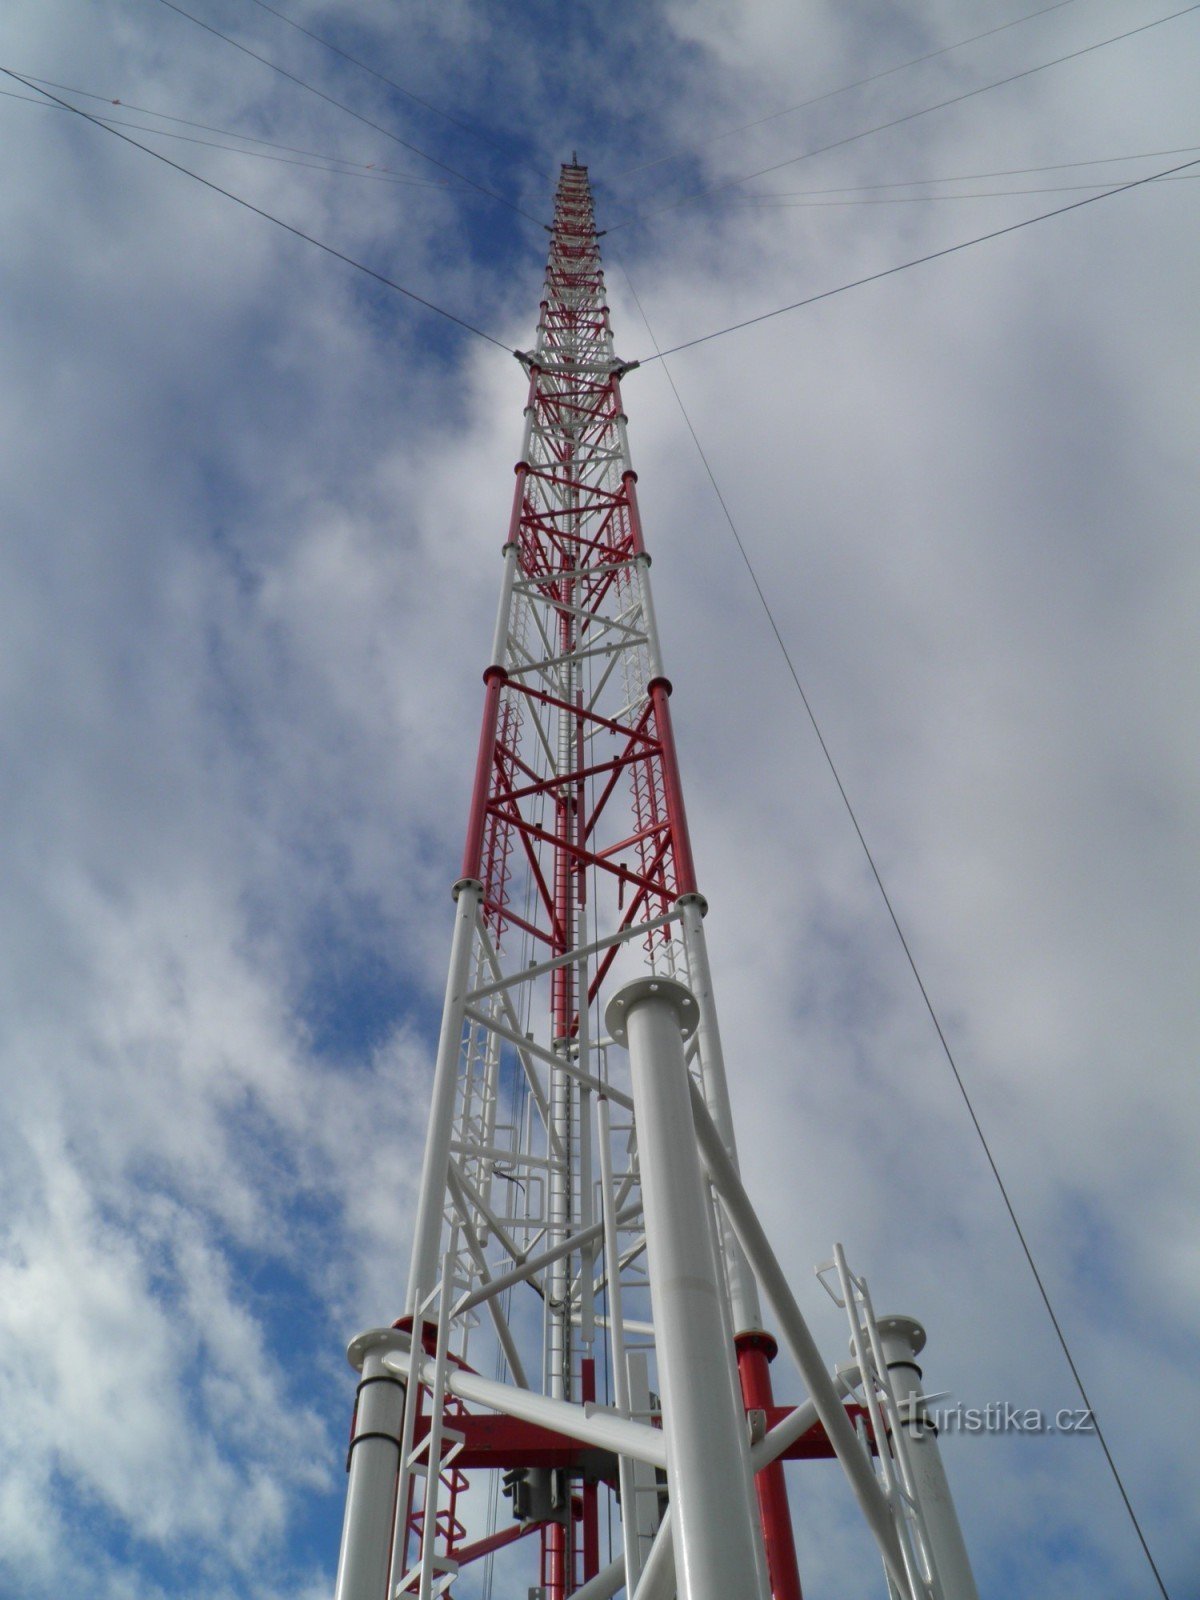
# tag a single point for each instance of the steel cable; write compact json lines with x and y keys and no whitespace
{"x":379,"y":277}
{"x":357,"y":115}
{"x":463,"y":127}
{"x":830,"y":94}
{"x":917,"y":261}
{"x":904,"y":944}
{"x":370,"y":167}
{"x":894,"y":122}
{"x":345,"y":170}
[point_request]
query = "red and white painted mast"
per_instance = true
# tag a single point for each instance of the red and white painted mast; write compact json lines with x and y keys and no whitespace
{"x":580,"y":1211}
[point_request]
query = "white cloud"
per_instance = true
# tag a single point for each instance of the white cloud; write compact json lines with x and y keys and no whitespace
{"x":252,"y":513}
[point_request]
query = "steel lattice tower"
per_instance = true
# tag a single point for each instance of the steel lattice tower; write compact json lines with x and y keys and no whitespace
{"x":580,"y":1210}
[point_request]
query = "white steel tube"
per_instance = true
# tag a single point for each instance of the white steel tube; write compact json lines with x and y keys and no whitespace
{"x":590,"y":1423}
{"x":799,"y":1340}
{"x":534,"y":1264}
{"x":583,"y":1101}
{"x":743,"y":1291}
{"x":504,"y":608}
{"x":773,"y":1443}
{"x":366,"y":1552}
{"x":605,"y":1584}
{"x":620,"y":1373}
{"x":557,"y":1305}
{"x":708,"y":1464}
{"x":902,"y":1339}
{"x":431,"y":1199}
{"x":511,"y":1354}
{"x":658,"y":1580}
{"x":649,"y":619}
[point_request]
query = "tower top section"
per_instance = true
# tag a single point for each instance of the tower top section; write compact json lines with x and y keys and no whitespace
{"x":573,"y":329}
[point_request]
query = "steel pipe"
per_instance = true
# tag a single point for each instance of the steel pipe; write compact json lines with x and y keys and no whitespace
{"x":366,"y":1554}
{"x":708,"y":1462}
{"x":794,"y":1330}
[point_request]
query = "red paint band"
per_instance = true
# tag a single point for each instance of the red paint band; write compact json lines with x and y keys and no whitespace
{"x":754,"y":1353}
{"x":629,"y":481}
{"x":685,"y":871}
{"x":514,"y":522}
{"x":472,"y":865}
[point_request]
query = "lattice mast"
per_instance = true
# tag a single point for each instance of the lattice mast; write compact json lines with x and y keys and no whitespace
{"x":572,"y":1272}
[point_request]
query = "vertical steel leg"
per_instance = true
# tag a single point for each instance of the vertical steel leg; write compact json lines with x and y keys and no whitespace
{"x":616,"y":1326}
{"x":743,"y":1291}
{"x":755,"y":1352}
{"x":708,"y":1459}
{"x":366,"y":1553}
{"x":902,"y":1339}
{"x":431,"y":1201}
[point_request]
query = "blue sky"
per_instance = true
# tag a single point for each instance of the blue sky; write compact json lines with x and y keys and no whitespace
{"x":252,"y":504}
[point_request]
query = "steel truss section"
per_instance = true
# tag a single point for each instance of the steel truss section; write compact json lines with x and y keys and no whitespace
{"x":570,"y":1188}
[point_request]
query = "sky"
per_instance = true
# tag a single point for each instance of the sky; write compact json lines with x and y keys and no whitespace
{"x":252,"y":502}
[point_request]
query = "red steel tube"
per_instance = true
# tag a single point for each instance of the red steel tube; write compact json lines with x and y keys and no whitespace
{"x":685,"y":870}
{"x":472,"y":863}
{"x":754,"y":1354}
{"x":591,"y":1497}
{"x":514,"y":522}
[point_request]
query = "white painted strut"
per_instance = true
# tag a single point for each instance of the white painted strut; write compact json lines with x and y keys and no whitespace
{"x":743,"y":1291}
{"x":590,"y":1423}
{"x":427,"y":1233}
{"x":620,"y":1373}
{"x":902,"y":1339}
{"x":799,"y":1340}
{"x":708,"y":1465}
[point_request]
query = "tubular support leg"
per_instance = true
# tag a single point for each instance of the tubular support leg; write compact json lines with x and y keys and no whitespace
{"x":366,"y":1553}
{"x":708,"y":1463}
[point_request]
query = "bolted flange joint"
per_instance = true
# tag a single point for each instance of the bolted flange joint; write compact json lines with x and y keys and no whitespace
{"x":902,"y":1338}
{"x":385,"y":1339}
{"x":677,"y":995}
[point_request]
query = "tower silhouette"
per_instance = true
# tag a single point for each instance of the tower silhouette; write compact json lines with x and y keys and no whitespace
{"x":583,"y":1323}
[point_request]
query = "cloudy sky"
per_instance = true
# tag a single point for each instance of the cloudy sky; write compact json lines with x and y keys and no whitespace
{"x":252,"y":503}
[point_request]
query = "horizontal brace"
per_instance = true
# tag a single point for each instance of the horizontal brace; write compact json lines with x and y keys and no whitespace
{"x":630,"y":643}
{"x":505,"y":1158}
{"x":535,"y":1264}
{"x":509,"y":915}
{"x":597,"y":1085}
{"x":528,"y":585}
{"x":538,"y":969}
{"x":585,"y":858}
{"x":493,"y":1221}
{"x":520,"y":1040}
{"x":643,"y":1330}
{"x":584,"y":715}
{"x":545,"y":785}
{"x":599,"y":369}
{"x":589,"y":1423}
{"x":634,"y":838}
{"x":594,"y":620}
{"x":606,"y":497}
